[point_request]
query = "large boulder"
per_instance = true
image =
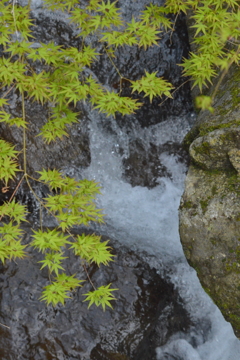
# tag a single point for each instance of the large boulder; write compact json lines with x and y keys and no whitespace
{"x":147,"y":312}
{"x":209,"y":209}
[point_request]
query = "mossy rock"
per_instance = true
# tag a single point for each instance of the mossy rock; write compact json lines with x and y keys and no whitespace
{"x":209,"y":209}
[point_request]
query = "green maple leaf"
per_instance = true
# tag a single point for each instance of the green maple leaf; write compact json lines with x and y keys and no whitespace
{"x":53,"y":178}
{"x":5,"y":35}
{"x":11,"y":71}
{"x":5,"y":117}
{"x":56,"y":127}
{"x":200,"y":68}
{"x":54,"y":293}
{"x":8,"y":165}
{"x":8,"y":169}
{"x":204,"y":103}
{"x":112,"y":103}
{"x":154,"y":15}
{"x":60,"y":5}
{"x":36,"y":85}
{"x":15,"y":211}
{"x":3,"y":102}
{"x":84,"y":245}
{"x":59,"y":202}
{"x":50,"y":53}
{"x":90,"y":248}
{"x":19,"y":122}
{"x":88,"y":187}
{"x":51,"y":131}
{"x":176,"y":6}
{"x":67,"y":220}
{"x":16,"y":250}
{"x":10,"y":232}
{"x":4,"y":251}
{"x":101,"y":254}
{"x":101,"y":297}
{"x":110,"y":13}
{"x":69,"y":282}
{"x":152,"y":86}
{"x":53,"y":262}
{"x":49,"y":240}
{"x":19,"y":48}
{"x":119,"y":38}
{"x":57,"y":292}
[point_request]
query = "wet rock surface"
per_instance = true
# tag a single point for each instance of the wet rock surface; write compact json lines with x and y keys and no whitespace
{"x":146,"y":313}
{"x":209,"y":210}
{"x":148,"y":310}
{"x":73,"y":149}
{"x":132,"y":64}
{"x":143,"y":167}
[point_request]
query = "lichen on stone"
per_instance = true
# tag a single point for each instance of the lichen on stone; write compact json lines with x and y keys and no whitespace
{"x":209,"y":212}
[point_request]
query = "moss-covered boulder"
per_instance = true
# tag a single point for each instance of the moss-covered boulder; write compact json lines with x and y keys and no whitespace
{"x":210,"y":205}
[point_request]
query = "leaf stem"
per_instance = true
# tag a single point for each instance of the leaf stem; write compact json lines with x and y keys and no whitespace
{"x":84,"y":266}
{"x":224,"y":73}
{"x":174,"y":91}
{"x":24,"y":139}
{"x":19,"y":183}
{"x":5,"y":325}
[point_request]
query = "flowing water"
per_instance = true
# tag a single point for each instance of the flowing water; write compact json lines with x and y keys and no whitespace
{"x":141,"y":190}
{"x":147,"y":219}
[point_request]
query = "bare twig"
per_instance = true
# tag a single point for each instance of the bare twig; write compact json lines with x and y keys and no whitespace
{"x":89,"y":277}
{"x":174,"y":91}
{"x":5,"y":325}
{"x":173,"y":28}
{"x":14,"y":192}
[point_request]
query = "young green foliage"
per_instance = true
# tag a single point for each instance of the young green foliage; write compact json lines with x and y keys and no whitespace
{"x":8,"y":164}
{"x":112,"y":103}
{"x":204,"y":103}
{"x":59,"y":289}
{"x":152,"y":86}
{"x":61,"y":82}
{"x":217,"y":35}
{"x":52,"y":240}
{"x":74,"y":204}
{"x":90,"y":248}
{"x":10,"y":243}
{"x":15,"y":211}
{"x":101,"y":297}
{"x":53,"y":261}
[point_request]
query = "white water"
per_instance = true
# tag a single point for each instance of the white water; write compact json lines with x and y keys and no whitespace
{"x":148,"y":220}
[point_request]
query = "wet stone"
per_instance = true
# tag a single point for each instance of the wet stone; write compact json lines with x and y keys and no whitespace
{"x":146,"y":313}
{"x":143,"y":166}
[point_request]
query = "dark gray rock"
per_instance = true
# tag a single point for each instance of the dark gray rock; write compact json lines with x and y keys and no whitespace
{"x":146,"y":313}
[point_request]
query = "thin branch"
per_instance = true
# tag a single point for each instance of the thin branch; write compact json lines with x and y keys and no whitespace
{"x":16,"y":189}
{"x":223,"y":74}
{"x":13,"y":14}
{"x":116,"y":68}
{"x":8,"y":91}
{"x":173,"y":28}
{"x":89,"y":277}
{"x":5,"y":325}
{"x":174,"y":91}
{"x":24,"y":138}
